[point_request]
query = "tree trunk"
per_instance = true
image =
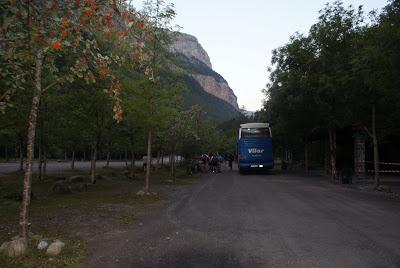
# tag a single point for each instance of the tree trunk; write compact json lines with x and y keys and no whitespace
{"x":162,"y":159}
{"x":93,"y":165}
{"x":126,"y":158}
{"x":6,"y":153}
{"x":326,"y":159}
{"x":65,"y":156}
{"x":40,"y":154}
{"x":172,"y":165}
{"x":132,"y":160}
{"x":148,"y":162}
{"x":332,"y":146}
{"x":73,"y":160}
{"x":108,"y":159}
{"x":44,"y":163}
{"x":21,"y":159}
{"x":376,"y":149}
{"x":306,"y":163}
{"x":30,"y":149}
{"x":158,"y":160}
{"x":40,"y":162}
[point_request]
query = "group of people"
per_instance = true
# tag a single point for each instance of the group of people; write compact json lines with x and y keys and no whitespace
{"x":212,"y":162}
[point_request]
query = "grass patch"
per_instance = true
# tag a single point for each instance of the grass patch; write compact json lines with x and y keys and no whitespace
{"x":126,"y":218}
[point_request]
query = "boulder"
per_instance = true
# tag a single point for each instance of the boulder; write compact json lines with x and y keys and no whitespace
{"x":59,"y":178}
{"x":55,"y":248}
{"x":383,"y":188}
{"x":78,"y":187}
{"x":146,"y":193}
{"x":42,"y":245}
{"x":14,"y":248}
{"x":76,"y":179}
{"x":61,"y":187}
{"x":130,"y":174}
{"x":141,"y":193}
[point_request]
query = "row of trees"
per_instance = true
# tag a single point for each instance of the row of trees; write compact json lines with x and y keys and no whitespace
{"x":343,"y":73}
{"x":92,"y":77}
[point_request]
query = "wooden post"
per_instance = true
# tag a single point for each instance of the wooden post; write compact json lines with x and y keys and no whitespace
{"x":359,"y":157}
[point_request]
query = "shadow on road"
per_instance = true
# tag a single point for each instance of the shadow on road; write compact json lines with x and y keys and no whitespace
{"x":196,"y":258}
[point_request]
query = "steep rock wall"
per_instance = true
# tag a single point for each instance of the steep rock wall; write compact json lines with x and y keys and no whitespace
{"x":196,"y":62}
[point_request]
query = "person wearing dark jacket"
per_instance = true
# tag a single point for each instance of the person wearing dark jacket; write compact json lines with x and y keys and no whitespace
{"x":230,"y":160}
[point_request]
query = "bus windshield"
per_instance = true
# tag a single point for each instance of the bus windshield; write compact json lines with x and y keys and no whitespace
{"x":247,"y":133}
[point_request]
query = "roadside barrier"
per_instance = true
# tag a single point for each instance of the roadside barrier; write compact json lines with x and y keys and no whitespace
{"x":384,"y":171}
{"x":390,"y":167}
{"x":384,"y":163}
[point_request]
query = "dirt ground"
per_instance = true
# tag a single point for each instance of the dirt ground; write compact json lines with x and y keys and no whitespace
{"x":109,"y":205}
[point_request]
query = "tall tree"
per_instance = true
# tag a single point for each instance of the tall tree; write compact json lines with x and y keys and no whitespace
{"x":376,"y":63}
{"x":160,"y":14}
{"x":333,"y":34}
{"x":40,"y":34}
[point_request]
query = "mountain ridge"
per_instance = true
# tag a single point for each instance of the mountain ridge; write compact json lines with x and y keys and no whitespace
{"x":194,"y":60}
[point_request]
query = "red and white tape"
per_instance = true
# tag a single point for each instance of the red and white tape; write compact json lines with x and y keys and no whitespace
{"x":385,"y":171}
{"x":382,"y":163}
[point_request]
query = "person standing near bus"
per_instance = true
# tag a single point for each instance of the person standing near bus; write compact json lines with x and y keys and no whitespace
{"x":230,"y":160}
{"x":213,"y":162}
{"x":204,"y":163}
{"x":220,"y":161}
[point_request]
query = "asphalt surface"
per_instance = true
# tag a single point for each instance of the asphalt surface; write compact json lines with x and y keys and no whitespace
{"x":59,"y":166}
{"x":233,"y":220}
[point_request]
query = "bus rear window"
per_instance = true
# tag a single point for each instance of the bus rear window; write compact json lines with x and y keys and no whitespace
{"x":255,"y":133}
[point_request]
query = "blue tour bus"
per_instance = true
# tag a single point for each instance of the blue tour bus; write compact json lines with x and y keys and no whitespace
{"x":254,"y":147}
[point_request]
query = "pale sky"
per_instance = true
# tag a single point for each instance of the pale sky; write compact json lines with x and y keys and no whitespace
{"x":240,"y":35}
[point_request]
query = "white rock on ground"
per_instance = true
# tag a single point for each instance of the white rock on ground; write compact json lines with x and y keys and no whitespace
{"x":14,"y":248}
{"x":55,"y":248}
{"x":141,"y":193}
{"x":42,"y":245}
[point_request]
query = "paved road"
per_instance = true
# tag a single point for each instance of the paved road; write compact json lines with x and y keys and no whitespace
{"x":232,"y":220}
{"x":55,"y":166}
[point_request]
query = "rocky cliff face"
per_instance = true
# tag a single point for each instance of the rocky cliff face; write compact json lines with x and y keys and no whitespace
{"x":219,"y":89}
{"x":189,"y":46}
{"x":195,"y":61}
